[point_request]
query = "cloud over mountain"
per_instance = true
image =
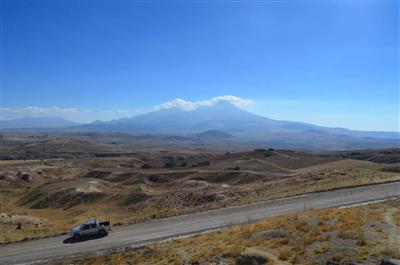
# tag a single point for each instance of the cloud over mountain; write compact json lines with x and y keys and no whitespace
{"x":190,"y":105}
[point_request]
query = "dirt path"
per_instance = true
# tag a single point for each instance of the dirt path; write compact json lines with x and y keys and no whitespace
{"x":272,"y":164}
{"x":186,"y":171}
{"x":284,"y":155}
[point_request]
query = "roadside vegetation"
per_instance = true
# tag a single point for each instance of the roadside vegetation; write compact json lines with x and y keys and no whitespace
{"x":363,"y":234}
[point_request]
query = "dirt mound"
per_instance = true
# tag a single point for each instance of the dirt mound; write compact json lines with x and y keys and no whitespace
{"x":135,"y":197}
{"x":187,"y":200}
{"x":192,"y":184}
{"x":276,"y":161}
{"x":65,"y":194}
{"x":96,"y":174}
{"x":394,"y":169}
{"x":259,"y":165}
{"x":294,"y":159}
{"x":232,"y":177}
{"x":388,"y":156}
{"x":347,"y":164}
{"x":12,"y":219}
{"x":157,"y":179}
{"x":132,"y":178}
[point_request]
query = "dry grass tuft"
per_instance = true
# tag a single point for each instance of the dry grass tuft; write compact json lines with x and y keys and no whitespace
{"x":284,"y":253}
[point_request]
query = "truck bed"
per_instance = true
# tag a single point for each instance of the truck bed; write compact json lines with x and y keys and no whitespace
{"x":106,"y":223}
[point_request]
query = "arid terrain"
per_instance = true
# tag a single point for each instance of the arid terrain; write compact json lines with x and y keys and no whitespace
{"x":199,"y":132}
{"x":357,"y":235}
{"x":50,"y":183}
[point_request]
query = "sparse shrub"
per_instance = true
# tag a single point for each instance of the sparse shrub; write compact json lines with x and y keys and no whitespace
{"x":146,"y":166}
{"x":362,"y":241}
{"x":253,"y":260}
{"x":391,"y":169}
{"x":337,"y":257}
{"x":326,"y":237}
{"x":260,"y":150}
{"x":352,"y":234}
{"x":267,"y":154}
{"x":391,"y":251}
{"x":284,"y":253}
{"x":325,"y":227}
{"x":170,"y":165}
{"x":203,"y":163}
{"x":284,"y":241}
{"x":309,"y":239}
{"x":315,"y":232}
{"x":322,"y":248}
{"x":302,"y":225}
{"x":271,"y":149}
{"x":25,"y":177}
{"x":237,"y":248}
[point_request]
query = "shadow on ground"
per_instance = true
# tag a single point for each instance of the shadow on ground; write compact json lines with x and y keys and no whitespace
{"x":72,"y":240}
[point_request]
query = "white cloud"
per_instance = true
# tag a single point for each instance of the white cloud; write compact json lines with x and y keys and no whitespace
{"x":88,"y":115}
{"x":40,"y":110}
{"x":190,"y":105}
{"x":75,"y":114}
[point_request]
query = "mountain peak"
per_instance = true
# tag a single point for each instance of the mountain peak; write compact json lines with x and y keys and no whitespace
{"x":220,"y":107}
{"x":223,"y":105}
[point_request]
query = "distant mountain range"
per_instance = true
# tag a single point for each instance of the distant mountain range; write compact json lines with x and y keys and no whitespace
{"x":224,"y":122}
{"x":28,"y":123}
{"x":222,"y":117}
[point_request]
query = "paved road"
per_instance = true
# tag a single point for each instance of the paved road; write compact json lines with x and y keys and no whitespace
{"x":140,"y":234}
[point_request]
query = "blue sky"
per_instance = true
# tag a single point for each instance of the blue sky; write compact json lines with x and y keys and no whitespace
{"x":328,"y":63}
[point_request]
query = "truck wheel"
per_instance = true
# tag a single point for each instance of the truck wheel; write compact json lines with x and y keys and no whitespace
{"x":102,"y":232}
{"x":77,"y":236}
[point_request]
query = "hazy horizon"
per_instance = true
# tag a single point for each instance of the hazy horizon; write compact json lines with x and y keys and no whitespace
{"x":188,"y":106}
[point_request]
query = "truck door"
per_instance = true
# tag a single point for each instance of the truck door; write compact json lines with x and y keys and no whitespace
{"x":93,"y":228}
{"x":85,"y":230}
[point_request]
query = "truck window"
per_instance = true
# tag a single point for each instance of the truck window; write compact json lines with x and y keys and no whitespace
{"x":85,"y":227}
{"x":93,"y":226}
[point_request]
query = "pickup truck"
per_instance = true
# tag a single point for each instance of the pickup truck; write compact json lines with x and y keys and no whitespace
{"x":91,"y":228}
